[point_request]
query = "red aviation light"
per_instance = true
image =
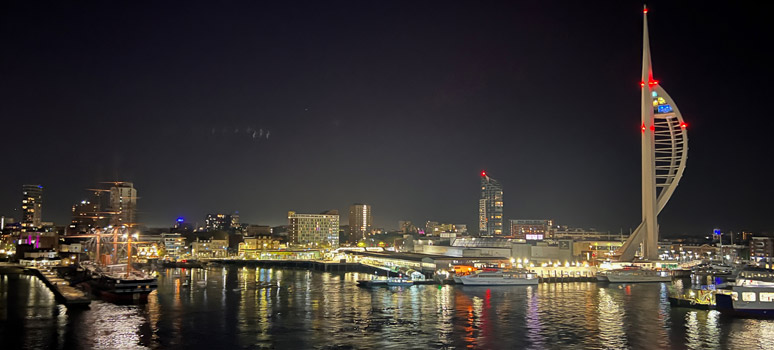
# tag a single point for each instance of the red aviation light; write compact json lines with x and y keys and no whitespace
{"x":483,"y":173}
{"x":645,"y":10}
{"x":643,"y":127}
{"x":683,"y":125}
{"x":642,"y":84}
{"x":652,"y":128}
{"x":653,"y":82}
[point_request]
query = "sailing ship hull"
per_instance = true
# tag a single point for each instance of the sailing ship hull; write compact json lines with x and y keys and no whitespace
{"x":123,"y":290}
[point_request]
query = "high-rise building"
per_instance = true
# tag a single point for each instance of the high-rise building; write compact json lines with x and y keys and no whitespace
{"x":32,"y":207}
{"x":123,"y":203}
{"x":314,"y":229}
{"x":360,"y":221}
{"x":224,"y":222}
{"x":490,"y":207}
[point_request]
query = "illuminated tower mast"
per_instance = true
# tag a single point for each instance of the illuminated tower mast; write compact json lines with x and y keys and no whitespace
{"x":664,"y":153}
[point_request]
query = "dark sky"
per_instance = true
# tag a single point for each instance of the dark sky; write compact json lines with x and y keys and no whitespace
{"x":394,"y":104}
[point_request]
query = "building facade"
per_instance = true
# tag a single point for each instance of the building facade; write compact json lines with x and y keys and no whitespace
{"x":762,"y":248}
{"x":123,"y":203}
{"x":490,"y":207}
{"x":314,"y":229}
{"x":532,"y":230}
{"x":32,"y":207}
{"x":360,"y":220}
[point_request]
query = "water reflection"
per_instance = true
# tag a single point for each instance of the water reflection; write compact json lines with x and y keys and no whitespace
{"x":270,"y":308}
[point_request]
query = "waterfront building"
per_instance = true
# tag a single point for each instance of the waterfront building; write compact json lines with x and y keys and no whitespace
{"x":490,"y":207}
{"x":123,"y":203}
{"x":212,"y":248}
{"x":252,"y":247}
{"x":762,"y":249}
{"x":664,"y":146}
{"x":174,"y":244}
{"x":32,"y":207}
{"x":532,"y":230}
{"x":314,"y":229}
{"x":360,"y":220}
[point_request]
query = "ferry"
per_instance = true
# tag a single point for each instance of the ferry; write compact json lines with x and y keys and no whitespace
{"x":752,"y":294}
{"x":500,"y":278}
{"x":638,"y":275}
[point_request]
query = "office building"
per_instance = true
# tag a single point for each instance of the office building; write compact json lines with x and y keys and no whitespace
{"x":314,"y":229}
{"x":532,"y":230}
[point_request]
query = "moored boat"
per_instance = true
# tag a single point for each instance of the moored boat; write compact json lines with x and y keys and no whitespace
{"x":638,"y":275}
{"x":500,"y":278}
{"x":113,"y":283}
{"x":399,"y":282}
{"x":752,"y":294}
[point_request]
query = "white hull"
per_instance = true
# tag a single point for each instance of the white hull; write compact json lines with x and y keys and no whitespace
{"x":498,"y":281}
{"x":457,"y":279}
{"x":637,"y":278}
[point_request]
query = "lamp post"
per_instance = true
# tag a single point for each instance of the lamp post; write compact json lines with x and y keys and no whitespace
{"x":717,"y":232}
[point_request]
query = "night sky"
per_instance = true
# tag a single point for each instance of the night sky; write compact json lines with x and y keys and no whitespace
{"x":262,"y":108}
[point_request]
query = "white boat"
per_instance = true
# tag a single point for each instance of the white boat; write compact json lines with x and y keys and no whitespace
{"x":500,"y":278}
{"x":602,"y":276}
{"x":457,"y":279}
{"x":399,"y":282}
{"x":637,"y":275}
{"x":752,"y":295}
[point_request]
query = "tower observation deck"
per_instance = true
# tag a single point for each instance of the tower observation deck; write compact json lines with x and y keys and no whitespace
{"x":664,"y":153}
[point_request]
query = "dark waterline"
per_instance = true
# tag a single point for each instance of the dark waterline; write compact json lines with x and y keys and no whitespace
{"x":231,"y":309}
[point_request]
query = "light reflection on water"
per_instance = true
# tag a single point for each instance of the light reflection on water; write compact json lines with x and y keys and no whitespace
{"x":235,"y":308}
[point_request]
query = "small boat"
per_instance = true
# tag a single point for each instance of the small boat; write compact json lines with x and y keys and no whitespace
{"x":372,"y":283}
{"x":399,"y":282}
{"x":500,"y":278}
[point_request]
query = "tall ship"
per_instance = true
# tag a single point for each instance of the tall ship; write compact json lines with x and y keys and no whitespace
{"x":119,"y":283}
{"x":110,"y":273}
{"x":499,"y":278}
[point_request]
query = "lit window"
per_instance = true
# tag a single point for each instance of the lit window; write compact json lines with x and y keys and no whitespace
{"x":767,"y":296}
{"x":734,"y":296}
{"x":748,"y":296}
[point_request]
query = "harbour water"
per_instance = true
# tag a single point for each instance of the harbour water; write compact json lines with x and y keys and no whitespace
{"x":235,"y":308}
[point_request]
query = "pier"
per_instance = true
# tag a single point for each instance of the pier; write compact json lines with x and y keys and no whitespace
{"x":63,"y":292}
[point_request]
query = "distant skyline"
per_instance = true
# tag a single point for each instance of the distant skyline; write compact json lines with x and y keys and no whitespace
{"x":262,"y":108}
